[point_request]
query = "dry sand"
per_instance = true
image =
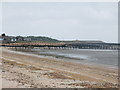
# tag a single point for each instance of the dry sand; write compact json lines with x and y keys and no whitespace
{"x":22,"y":70}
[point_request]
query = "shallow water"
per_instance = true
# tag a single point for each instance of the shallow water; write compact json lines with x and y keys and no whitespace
{"x":105,"y":57}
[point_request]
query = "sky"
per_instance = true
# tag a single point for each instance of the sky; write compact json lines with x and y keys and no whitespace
{"x":0,"y":17}
{"x":62,"y":20}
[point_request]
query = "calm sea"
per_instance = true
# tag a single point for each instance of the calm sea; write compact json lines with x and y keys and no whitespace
{"x":104,"y":57}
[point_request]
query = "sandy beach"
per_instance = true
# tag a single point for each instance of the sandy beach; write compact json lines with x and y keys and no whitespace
{"x":23,"y":70}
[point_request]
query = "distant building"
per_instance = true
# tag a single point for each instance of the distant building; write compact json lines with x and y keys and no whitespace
{"x":13,"y":39}
{"x":4,"y":38}
{"x":1,"y":38}
{"x":19,"y":38}
{"x":27,"y":39}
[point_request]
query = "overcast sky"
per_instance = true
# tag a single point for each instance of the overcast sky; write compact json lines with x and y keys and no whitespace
{"x":63,"y":21}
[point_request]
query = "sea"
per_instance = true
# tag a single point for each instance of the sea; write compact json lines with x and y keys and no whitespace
{"x":89,"y":56}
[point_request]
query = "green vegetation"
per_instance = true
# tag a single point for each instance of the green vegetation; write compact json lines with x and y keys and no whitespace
{"x":42,"y":39}
{"x":83,"y":41}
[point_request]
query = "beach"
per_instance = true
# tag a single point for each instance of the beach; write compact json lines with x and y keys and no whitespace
{"x":26,"y":70}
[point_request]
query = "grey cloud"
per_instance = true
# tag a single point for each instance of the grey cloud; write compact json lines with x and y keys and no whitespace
{"x":62,"y":20}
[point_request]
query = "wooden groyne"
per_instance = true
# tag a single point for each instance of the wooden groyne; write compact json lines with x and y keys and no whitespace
{"x":111,"y":46}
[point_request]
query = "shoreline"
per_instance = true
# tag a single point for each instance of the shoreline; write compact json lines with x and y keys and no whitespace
{"x":64,"y":58}
{"x":59,"y":74}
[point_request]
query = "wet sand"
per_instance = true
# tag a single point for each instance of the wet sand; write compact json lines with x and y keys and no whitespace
{"x":29,"y":70}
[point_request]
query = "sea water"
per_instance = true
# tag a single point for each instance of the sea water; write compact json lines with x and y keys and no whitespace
{"x":104,"y":57}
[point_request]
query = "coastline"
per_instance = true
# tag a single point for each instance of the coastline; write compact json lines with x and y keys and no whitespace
{"x":65,"y":58}
{"x":58,"y":74}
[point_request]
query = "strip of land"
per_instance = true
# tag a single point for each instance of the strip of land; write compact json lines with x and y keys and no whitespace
{"x":28,"y":70}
